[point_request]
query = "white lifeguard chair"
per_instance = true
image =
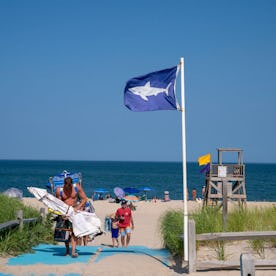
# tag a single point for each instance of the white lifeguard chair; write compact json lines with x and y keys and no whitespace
{"x":226,"y":179}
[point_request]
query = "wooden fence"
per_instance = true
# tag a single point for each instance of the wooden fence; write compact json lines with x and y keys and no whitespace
{"x":223,"y":236}
{"x":19,"y":221}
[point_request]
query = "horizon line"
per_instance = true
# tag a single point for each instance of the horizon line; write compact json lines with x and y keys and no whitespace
{"x":138,"y":161}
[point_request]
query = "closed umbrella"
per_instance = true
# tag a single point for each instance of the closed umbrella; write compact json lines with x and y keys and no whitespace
{"x":51,"y":201}
{"x":84,"y":223}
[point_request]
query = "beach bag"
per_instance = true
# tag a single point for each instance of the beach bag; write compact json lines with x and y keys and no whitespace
{"x":107,"y":224}
{"x":62,"y":232}
{"x":89,"y":207}
{"x":61,"y":235}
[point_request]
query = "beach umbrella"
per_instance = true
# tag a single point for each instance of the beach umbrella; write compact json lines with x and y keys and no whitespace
{"x":14,"y":192}
{"x":131,"y":190}
{"x":100,"y":190}
{"x":84,"y":223}
{"x":131,"y":198}
{"x":119,"y":192}
{"x":146,"y":189}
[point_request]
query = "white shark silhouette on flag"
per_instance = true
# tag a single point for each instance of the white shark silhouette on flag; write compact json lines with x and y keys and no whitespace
{"x":154,"y":91}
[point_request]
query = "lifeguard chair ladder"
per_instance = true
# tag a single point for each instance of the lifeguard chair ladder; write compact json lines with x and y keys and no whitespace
{"x":226,"y":180}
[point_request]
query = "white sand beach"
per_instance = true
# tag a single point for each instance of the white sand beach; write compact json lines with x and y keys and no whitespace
{"x":146,"y":233}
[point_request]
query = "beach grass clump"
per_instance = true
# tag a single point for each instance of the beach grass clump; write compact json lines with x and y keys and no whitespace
{"x":273,"y":211}
{"x":220,"y":250}
{"x":171,"y":230}
{"x":209,"y":220}
{"x":256,"y":219}
{"x":14,"y":241}
{"x":9,"y":206}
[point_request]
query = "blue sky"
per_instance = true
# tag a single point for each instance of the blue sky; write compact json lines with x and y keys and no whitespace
{"x":64,"y":65}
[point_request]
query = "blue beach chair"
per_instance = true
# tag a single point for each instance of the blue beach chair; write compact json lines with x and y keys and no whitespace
{"x":58,"y":180}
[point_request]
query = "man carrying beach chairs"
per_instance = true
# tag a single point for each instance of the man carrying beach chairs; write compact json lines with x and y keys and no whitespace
{"x":69,"y":195}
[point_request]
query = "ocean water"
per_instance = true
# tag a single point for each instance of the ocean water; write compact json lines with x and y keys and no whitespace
{"x":161,"y":176}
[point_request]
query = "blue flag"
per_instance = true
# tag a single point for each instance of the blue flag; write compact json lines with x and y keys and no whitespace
{"x":205,"y":169}
{"x":154,"y":91}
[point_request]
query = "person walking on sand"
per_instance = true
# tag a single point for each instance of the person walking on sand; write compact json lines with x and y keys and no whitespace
{"x":125,"y":218}
{"x":194,"y":194}
{"x":69,"y":194}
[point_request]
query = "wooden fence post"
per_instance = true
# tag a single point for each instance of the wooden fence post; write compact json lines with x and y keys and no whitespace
{"x":19,"y":216}
{"x":191,"y":246}
{"x":43,"y":214}
{"x":247,"y":265}
{"x":224,"y":205}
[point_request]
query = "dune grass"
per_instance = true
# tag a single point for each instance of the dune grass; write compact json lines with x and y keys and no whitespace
{"x":171,"y":229}
{"x":209,"y":220}
{"x":12,"y":240}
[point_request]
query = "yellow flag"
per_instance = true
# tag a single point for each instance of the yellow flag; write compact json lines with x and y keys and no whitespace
{"x":205,"y":159}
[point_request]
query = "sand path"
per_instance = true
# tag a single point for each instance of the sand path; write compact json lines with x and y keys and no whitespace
{"x":146,"y":233}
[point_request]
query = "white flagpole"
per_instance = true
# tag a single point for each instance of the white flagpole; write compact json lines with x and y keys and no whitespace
{"x":184,"y":167}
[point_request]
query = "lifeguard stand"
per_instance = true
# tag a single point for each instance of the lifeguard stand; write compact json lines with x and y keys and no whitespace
{"x":226,"y":181}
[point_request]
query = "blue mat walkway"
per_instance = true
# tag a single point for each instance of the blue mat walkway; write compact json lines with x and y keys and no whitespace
{"x":53,"y":255}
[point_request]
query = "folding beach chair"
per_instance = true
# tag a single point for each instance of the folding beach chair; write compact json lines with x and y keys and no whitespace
{"x":58,"y":180}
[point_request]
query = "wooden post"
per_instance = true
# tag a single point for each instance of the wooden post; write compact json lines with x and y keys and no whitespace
{"x":224,"y":205}
{"x":247,"y":265}
{"x":191,"y":246}
{"x":43,"y":214}
{"x":19,"y":216}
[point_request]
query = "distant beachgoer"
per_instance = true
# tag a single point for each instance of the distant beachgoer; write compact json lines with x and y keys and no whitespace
{"x":95,"y":196}
{"x":114,"y":230}
{"x":203,"y":191}
{"x":166,"y":196}
{"x":132,"y":206}
{"x":124,"y":215}
{"x":69,"y":194}
{"x":194,"y":194}
{"x":143,"y":197}
{"x":154,"y":199}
